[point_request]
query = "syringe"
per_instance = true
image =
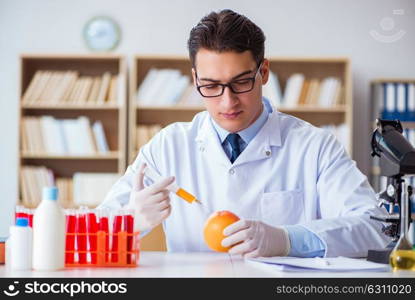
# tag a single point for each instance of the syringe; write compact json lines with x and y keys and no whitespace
{"x":174,"y":188}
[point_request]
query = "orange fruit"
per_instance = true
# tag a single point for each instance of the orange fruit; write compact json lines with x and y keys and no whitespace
{"x":214,"y":226}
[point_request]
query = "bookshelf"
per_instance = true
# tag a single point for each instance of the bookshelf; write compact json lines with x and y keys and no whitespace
{"x":392,"y":98}
{"x":150,"y":115}
{"x":316,"y":68}
{"x":319,"y":68}
{"x":284,"y":67}
{"x":56,"y":97}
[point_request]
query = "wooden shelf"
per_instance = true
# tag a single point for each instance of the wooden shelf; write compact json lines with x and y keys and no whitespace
{"x":310,"y":59}
{"x":319,"y":110}
{"x":110,"y":155}
{"x":405,"y":124}
{"x":308,"y":109}
{"x":113,"y":115}
{"x":71,"y":107}
{"x":408,"y":124}
{"x":170,"y":108}
{"x":165,"y":115}
{"x":311,"y":67}
{"x":393,"y":80}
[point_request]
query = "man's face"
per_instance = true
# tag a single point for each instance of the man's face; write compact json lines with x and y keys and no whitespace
{"x":233,"y":112}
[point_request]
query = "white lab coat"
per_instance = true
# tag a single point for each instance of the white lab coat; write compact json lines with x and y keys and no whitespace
{"x":290,"y":173}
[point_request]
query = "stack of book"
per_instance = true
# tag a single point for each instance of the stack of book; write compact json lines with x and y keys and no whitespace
{"x":47,"y":135}
{"x":65,"y":195}
{"x":300,"y":91}
{"x":84,"y":189}
{"x":272,"y":90}
{"x":167,"y":87}
{"x":32,"y":180}
{"x":69,"y":88}
{"x":396,"y":100}
{"x":145,"y":133}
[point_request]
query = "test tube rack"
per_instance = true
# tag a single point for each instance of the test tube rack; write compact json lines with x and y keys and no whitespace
{"x":126,"y":255}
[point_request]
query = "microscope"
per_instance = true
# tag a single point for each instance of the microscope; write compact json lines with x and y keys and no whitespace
{"x":397,"y":159}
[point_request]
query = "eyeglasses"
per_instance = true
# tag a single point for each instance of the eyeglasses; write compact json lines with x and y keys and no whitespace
{"x":238,"y":86}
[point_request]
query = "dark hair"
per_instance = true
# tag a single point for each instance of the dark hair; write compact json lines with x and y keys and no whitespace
{"x":226,"y":30}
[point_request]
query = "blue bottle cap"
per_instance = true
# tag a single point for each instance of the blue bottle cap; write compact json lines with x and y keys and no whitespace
{"x":22,"y":222}
{"x":50,"y":193}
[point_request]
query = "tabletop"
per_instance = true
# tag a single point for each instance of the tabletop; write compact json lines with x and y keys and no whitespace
{"x":197,"y":264}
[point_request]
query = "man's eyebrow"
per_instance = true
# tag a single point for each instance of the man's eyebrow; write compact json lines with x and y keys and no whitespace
{"x":233,"y":78}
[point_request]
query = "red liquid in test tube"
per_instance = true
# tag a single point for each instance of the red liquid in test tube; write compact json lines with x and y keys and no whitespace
{"x":81,"y":237}
{"x":70,"y":238}
{"x":129,"y":228}
{"x":104,"y":226}
{"x":116,"y":228}
{"x":92,"y":235}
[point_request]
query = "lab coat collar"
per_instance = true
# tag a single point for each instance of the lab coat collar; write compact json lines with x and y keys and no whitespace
{"x":209,"y":142}
{"x":259,"y":148}
{"x":246,"y":134}
{"x":271,"y":130}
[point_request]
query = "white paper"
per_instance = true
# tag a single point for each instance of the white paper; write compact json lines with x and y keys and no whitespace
{"x":332,"y":264}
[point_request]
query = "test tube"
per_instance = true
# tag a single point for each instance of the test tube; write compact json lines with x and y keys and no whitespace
{"x":81,"y":233}
{"x":92,"y":228}
{"x":104,"y":226}
{"x":128,"y":226}
{"x":116,"y":228}
{"x":174,"y":188}
{"x":70,"y":236}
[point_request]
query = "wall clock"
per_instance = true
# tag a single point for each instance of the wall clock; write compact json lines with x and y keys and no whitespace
{"x":102,"y":34}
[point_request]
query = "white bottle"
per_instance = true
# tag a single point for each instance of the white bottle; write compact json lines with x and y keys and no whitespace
{"x":20,"y":246}
{"x":49,"y":233}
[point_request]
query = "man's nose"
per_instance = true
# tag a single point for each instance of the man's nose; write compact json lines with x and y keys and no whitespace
{"x":229,"y":98}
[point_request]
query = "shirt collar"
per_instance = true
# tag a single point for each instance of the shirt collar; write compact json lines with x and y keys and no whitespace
{"x":248,"y":133}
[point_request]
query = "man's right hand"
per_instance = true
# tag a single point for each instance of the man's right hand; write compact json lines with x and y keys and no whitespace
{"x":151,"y":204}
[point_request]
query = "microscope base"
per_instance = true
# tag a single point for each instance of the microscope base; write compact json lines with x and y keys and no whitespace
{"x":379,"y":256}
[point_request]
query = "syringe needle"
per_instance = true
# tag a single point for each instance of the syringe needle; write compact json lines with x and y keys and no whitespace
{"x":174,"y":188}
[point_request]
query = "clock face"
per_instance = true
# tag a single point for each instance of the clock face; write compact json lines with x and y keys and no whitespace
{"x":101,"y":34}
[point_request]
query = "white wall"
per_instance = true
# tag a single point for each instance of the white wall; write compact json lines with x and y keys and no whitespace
{"x":292,"y":27}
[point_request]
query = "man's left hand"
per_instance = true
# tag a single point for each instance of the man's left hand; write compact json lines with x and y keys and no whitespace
{"x":254,"y":239}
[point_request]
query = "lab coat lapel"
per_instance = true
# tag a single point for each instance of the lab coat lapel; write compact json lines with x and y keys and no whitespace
{"x":260,"y":146}
{"x":209,"y":144}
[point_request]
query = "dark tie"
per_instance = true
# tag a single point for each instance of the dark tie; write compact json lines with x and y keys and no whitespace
{"x":233,"y":139}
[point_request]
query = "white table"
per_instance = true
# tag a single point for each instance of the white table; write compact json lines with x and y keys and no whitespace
{"x":198,"y":264}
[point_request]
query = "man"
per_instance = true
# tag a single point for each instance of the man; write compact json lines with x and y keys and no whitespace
{"x":294,"y":187}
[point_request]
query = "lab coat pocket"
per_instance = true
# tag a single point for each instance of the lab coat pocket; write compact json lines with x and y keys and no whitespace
{"x":282,"y":207}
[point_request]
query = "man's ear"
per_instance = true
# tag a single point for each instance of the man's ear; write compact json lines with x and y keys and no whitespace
{"x":265,"y":71}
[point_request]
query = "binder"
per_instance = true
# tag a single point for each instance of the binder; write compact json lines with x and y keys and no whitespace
{"x":411,"y":102}
{"x":390,"y":93}
{"x":400,"y":102}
